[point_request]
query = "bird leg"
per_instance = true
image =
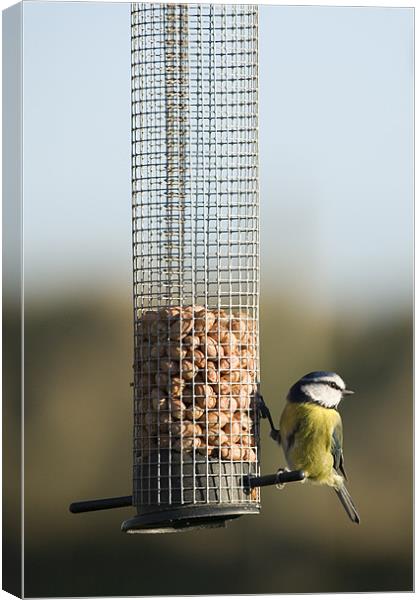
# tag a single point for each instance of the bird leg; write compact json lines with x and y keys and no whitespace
{"x":282,"y":477}
{"x":275,"y":435}
{"x":280,"y":471}
{"x":265,"y":414}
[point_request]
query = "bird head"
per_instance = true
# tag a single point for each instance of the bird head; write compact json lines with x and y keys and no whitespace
{"x":322,"y":387}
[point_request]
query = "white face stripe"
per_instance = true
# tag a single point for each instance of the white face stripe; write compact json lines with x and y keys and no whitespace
{"x":321,"y":393}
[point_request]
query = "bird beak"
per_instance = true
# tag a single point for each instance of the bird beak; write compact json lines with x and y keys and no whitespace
{"x":347,"y":392}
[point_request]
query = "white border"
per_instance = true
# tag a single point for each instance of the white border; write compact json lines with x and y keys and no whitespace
{"x":385,"y":3}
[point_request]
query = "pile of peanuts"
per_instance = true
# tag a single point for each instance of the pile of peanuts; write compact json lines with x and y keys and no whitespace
{"x":195,"y":378}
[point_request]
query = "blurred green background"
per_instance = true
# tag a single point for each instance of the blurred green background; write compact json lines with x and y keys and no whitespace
{"x":78,"y":445}
{"x":336,"y":159}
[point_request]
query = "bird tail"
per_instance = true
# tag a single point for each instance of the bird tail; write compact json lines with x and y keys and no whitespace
{"x":347,"y":502}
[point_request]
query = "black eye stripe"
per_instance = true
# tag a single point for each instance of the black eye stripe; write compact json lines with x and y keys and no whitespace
{"x":330,"y":383}
{"x":334,"y":385}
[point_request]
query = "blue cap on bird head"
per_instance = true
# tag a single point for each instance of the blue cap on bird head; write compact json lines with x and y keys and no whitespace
{"x":322,"y":387}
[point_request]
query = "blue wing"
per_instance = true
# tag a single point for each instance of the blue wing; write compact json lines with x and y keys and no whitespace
{"x":337,"y":449}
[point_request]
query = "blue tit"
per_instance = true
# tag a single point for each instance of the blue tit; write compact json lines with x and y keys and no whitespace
{"x":311,"y":433}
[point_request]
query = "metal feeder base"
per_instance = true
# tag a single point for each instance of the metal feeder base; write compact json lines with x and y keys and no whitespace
{"x":178,"y":493}
{"x":186,"y":518}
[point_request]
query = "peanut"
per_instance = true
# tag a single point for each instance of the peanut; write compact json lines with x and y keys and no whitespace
{"x":176,"y":352}
{"x":244,"y":401}
{"x":233,"y":431}
{"x":224,"y":364}
{"x":247,"y":440}
{"x":243,"y":419}
{"x":239,"y":328}
{"x":164,"y":420}
{"x":217,"y":438}
{"x":230,"y":344}
{"x":198,"y":358}
{"x":231,"y":363}
{"x":180,"y":328}
{"x":219,"y":329}
{"x":249,"y":455}
{"x":169,"y":313}
{"x":211,"y":373}
{"x":203,"y":321}
{"x":193,"y":413}
{"x":198,"y":308}
{"x":158,"y":399}
{"x":211,"y":348}
{"x":205,"y":449}
{"x":203,"y":390}
{"x":186,"y":443}
{"x":230,"y":377}
{"x":175,"y":386}
{"x":168,"y":365}
{"x":203,"y":396}
{"x":227,"y":403}
{"x":191,"y":342}
{"x":177,"y":408}
{"x":224,"y":389}
{"x":206,"y":401}
{"x":231,"y":452}
{"x":188,"y":370}
{"x":215,"y":417}
{"x":186,"y":428}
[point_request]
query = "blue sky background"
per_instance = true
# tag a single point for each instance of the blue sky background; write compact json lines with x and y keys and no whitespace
{"x":336,"y":152}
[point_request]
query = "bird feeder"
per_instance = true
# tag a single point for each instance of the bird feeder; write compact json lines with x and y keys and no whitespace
{"x":195,"y":217}
{"x":195,"y":263}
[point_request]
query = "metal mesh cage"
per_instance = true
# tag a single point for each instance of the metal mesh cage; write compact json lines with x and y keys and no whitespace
{"x":195,"y":261}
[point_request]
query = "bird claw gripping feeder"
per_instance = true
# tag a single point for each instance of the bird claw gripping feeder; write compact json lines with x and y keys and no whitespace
{"x":195,"y":266}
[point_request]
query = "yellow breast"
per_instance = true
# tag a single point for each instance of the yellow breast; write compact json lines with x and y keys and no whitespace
{"x":306,"y":432}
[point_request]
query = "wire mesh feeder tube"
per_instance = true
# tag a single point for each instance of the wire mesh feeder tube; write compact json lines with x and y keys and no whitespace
{"x":195,"y":264}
